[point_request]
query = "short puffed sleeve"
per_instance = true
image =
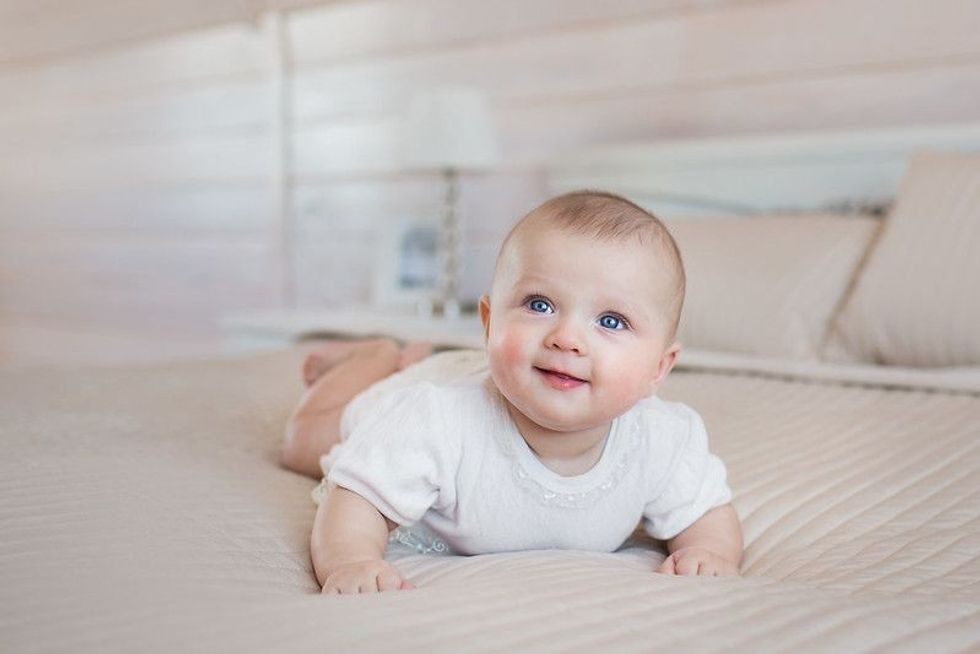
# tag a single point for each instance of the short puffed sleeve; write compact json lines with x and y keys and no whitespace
{"x":695,"y":481}
{"x":401,"y":459}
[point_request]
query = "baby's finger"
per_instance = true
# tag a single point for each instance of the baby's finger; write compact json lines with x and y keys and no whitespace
{"x":389,"y":580}
{"x":347,"y":585}
{"x":667,"y":567}
{"x":687,"y":566}
{"x":368,"y":585}
{"x":708,"y":569}
{"x":407,"y":585}
{"x":729,"y":569}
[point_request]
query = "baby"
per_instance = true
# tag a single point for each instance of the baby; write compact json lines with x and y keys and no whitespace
{"x":554,"y":438}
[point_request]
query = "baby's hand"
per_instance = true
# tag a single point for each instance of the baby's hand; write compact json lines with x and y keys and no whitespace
{"x":697,"y":561}
{"x":369,"y":576}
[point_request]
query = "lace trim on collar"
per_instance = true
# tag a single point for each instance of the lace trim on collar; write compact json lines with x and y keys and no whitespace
{"x":582,"y":499}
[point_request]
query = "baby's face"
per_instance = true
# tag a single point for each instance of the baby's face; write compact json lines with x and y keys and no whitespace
{"x":576,"y":327}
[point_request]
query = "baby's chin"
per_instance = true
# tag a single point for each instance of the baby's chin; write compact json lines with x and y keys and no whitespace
{"x":546,"y":418}
{"x":557,"y":421}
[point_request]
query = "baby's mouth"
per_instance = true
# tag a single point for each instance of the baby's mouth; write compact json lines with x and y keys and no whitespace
{"x":560,"y":380}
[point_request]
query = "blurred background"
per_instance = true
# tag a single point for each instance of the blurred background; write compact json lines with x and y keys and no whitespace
{"x":166,"y":165}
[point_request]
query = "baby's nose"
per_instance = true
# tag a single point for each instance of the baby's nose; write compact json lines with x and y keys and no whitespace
{"x":566,"y":337}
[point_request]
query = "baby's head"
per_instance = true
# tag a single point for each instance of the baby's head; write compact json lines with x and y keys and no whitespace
{"x":581,"y":318}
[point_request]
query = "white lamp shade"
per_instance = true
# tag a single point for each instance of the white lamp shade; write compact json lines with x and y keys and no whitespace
{"x":450,"y":128}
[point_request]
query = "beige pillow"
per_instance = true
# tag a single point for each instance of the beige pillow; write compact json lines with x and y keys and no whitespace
{"x":767,"y":285}
{"x":917,"y":302}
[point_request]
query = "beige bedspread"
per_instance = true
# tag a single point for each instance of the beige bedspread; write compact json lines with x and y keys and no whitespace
{"x":142,"y":509}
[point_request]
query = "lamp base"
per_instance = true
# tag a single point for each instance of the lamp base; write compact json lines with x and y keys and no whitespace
{"x":440,"y":308}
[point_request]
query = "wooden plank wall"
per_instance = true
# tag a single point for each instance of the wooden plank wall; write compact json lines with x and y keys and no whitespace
{"x":564,"y":74}
{"x":135,"y":190}
{"x":137,"y":197}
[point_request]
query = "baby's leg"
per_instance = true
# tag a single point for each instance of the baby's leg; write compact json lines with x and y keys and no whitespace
{"x":325,"y":356}
{"x":414,"y":352}
{"x":314,"y":426}
{"x":329,"y":354}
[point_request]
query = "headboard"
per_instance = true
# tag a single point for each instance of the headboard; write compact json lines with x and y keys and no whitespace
{"x":813,"y":171}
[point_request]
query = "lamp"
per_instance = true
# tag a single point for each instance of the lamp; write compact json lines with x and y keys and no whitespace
{"x":450,"y":130}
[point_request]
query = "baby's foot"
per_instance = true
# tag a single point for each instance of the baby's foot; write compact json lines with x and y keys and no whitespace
{"x":324,"y":357}
{"x":413,"y":353}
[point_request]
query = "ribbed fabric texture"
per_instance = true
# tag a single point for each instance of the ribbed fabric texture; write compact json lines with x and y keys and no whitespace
{"x":917,"y":302}
{"x":767,"y":285}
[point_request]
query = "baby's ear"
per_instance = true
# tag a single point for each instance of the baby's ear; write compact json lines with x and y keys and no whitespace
{"x":667,"y":361}
{"x":485,"y":315}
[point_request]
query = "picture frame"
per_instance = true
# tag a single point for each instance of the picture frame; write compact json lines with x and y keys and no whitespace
{"x":407,"y":267}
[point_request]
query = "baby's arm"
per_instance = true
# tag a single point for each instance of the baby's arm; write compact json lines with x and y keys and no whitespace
{"x":348,"y":546}
{"x":712,"y":546}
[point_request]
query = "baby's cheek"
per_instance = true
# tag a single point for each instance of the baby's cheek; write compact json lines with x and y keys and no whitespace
{"x":514,"y":352}
{"x":504,"y":356}
{"x":625,"y":391}
{"x":622,"y":397}
{"x":510,"y":350}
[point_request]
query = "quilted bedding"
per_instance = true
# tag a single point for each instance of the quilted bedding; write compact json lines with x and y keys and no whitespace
{"x":142,"y":508}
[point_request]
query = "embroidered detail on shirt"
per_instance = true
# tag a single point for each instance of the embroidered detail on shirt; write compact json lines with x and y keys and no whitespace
{"x":421,"y":542}
{"x":580,"y":500}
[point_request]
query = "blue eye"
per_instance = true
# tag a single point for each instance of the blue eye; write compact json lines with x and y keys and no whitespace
{"x":611,"y":321}
{"x":538,"y":305}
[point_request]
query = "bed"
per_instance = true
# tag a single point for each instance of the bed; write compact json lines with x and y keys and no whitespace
{"x":143,"y":508}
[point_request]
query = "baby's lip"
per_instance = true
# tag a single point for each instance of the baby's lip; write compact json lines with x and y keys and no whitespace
{"x":560,"y":373}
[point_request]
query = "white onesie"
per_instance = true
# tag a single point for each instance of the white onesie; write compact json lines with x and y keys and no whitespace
{"x":435,"y":445}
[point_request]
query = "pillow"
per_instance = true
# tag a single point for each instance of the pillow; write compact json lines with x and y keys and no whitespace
{"x":767,"y":285}
{"x":917,"y":302}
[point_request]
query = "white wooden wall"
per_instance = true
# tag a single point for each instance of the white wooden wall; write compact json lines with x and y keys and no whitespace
{"x":137,"y":197}
{"x":136,"y":184}
{"x":564,"y":74}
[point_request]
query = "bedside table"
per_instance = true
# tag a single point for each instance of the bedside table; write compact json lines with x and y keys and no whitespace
{"x":278,"y":329}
